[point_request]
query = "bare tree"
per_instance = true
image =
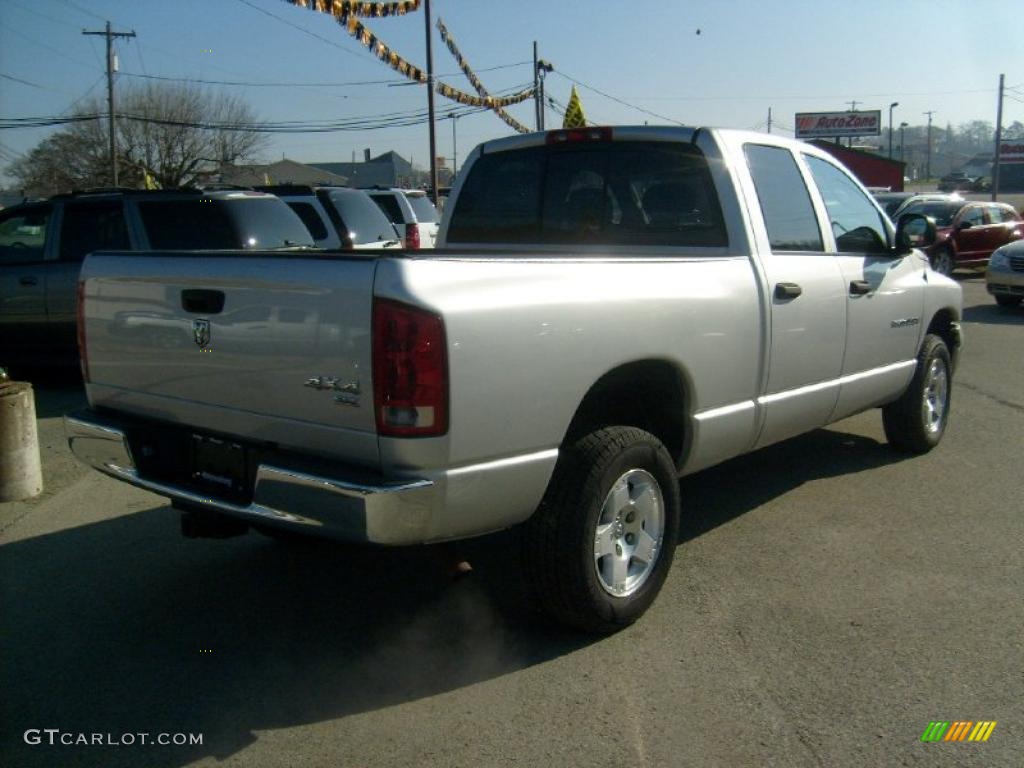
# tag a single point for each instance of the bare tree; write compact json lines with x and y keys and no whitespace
{"x":174,"y":133}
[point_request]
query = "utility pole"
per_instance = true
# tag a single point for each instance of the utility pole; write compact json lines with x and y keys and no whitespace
{"x":903,"y":127}
{"x":928,"y":156}
{"x":999,"y":142}
{"x":538,"y":103}
{"x":455,"y":148}
{"x":769,"y":119}
{"x":853,"y":108}
{"x":430,"y":106}
{"x":111,"y":67}
{"x":542,"y":68}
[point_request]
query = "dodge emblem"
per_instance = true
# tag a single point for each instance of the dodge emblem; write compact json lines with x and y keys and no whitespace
{"x":201,"y":332}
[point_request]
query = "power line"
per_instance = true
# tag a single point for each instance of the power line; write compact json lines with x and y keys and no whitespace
{"x":616,"y":99}
{"x":50,"y":48}
{"x":84,"y":10}
{"x":303,"y":30}
{"x":271,"y":84}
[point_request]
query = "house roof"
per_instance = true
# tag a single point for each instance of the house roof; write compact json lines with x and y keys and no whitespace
{"x":282,"y":172}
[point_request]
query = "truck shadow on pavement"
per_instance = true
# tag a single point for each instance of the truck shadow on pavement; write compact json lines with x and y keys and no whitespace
{"x":993,"y":314}
{"x":123,"y":627}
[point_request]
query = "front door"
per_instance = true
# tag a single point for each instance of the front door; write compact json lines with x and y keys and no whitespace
{"x":884,"y":293}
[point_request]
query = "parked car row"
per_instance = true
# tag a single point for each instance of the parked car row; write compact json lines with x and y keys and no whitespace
{"x":968,"y":232}
{"x":43,"y":244}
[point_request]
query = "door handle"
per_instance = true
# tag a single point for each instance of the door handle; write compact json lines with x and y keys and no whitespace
{"x":787,"y":290}
{"x":859,"y":287}
{"x":28,"y":280}
{"x":201,"y":301}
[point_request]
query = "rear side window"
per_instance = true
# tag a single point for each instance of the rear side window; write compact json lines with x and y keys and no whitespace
{"x":205,"y":223}
{"x":311,"y":218}
{"x":23,"y":235}
{"x":620,"y":193}
{"x":92,"y":226}
{"x":785,"y":201}
{"x":187,"y":225}
{"x":363,"y":220}
{"x":425,"y":211}
{"x":390,"y":206}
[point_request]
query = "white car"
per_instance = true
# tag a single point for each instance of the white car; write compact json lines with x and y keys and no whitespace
{"x":1004,"y":277}
{"x":412,"y":213}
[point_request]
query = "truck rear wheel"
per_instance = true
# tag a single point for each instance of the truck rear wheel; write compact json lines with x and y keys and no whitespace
{"x":916,"y":422}
{"x":597,"y":550}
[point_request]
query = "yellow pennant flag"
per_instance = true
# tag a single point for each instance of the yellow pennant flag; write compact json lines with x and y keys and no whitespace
{"x":574,"y":112}
{"x":149,"y":181}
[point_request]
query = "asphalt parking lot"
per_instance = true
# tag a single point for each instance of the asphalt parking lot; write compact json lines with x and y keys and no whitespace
{"x":829,"y":599}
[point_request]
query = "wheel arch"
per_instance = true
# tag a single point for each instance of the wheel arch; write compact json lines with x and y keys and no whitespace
{"x":945,"y":324}
{"x":651,"y":394}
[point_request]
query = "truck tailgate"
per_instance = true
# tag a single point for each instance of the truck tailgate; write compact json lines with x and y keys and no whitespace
{"x":268,"y":347}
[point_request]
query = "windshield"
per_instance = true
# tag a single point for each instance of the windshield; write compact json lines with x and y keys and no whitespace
{"x":425,"y":211}
{"x":943,"y":213}
{"x":361,"y":216}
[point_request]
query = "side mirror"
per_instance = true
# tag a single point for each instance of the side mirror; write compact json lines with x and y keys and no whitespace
{"x":914,"y":231}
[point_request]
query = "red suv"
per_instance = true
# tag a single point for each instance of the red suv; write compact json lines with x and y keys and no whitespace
{"x":967,"y":232}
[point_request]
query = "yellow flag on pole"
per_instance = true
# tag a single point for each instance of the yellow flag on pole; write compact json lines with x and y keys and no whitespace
{"x":149,"y":181}
{"x":574,"y":112}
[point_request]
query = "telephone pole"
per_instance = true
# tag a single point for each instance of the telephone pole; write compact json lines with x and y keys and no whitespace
{"x":999,"y":141}
{"x":538,"y":103}
{"x":430,"y":106}
{"x":111,"y":67}
{"x":928,"y":156}
{"x":769,"y":119}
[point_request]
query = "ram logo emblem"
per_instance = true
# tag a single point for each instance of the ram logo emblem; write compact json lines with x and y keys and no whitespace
{"x":201,"y":332}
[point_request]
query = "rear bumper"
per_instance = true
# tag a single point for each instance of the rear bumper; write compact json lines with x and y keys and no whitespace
{"x":339,"y":506}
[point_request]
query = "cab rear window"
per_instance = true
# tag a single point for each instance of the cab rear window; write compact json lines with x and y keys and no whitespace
{"x":623,"y":193}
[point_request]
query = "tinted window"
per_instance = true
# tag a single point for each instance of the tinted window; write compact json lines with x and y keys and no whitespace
{"x":187,"y":225}
{"x":623,"y":193}
{"x":361,"y":217}
{"x":856,"y":224}
{"x":973,"y":216}
{"x":941,"y":212}
{"x":23,"y":234}
{"x":785,"y":202}
{"x":389,"y":205}
{"x":311,"y":218}
{"x":93,"y":226}
{"x":424,"y":209}
{"x":205,"y":223}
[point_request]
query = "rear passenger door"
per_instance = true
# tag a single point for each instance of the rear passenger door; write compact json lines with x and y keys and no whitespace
{"x":25,"y":239}
{"x":972,"y":233}
{"x":807,"y":299}
{"x":85,"y":226}
{"x":884,"y":292}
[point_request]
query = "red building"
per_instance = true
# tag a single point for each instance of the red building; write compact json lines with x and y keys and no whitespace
{"x":872,"y":170}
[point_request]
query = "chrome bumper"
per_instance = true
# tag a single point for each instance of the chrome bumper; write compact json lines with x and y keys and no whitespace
{"x":333,"y":507}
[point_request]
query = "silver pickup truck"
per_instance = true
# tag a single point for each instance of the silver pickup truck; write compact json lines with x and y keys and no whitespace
{"x":609,"y":309}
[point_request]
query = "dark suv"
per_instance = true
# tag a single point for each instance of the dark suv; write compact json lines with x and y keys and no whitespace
{"x":42,"y":246}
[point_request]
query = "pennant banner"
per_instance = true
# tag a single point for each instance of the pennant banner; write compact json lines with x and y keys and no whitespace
{"x":343,"y":8}
{"x":381,"y":50}
{"x":574,"y":112}
{"x":476,"y":101}
{"x":486,"y":100}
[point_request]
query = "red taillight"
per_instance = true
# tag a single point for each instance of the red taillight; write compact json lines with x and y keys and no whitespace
{"x":410,"y":371}
{"x":412,"y":237}
{"x":573,"y":135}
{"x":83,"y":354}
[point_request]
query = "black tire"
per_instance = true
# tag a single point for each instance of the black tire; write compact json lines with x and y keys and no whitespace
{"x":1007,"y":301}
{"x":944,"y":261}
{"x":911,"y":424}
{"x":558,"y":542}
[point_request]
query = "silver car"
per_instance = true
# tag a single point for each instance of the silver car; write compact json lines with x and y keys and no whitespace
{"x":1004,"y":277}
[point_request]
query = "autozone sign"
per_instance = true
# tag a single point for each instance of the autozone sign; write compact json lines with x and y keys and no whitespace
{"x":820,"y":125}
{"x":1011,"y":151}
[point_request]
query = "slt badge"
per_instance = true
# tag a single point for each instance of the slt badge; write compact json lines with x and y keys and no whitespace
{"x":348,"y":392}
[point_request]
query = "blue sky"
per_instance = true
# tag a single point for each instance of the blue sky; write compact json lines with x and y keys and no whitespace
{"x":942,"y":55}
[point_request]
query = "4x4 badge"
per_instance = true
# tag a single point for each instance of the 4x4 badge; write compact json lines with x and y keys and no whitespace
{"x":201,"y":332}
